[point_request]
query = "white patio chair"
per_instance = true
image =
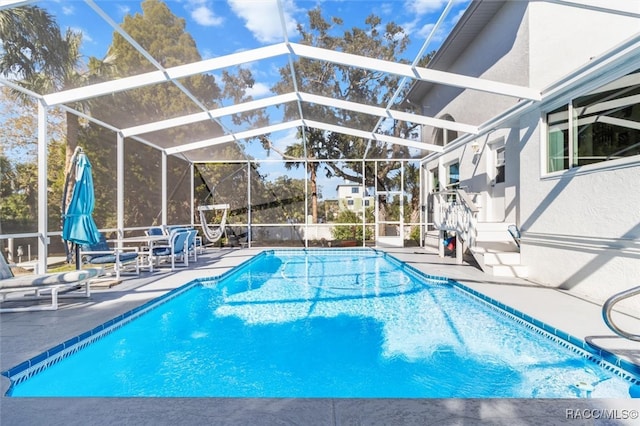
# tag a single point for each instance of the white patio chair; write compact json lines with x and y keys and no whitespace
{"x":177,"y":247}
{"x":101,"y":254}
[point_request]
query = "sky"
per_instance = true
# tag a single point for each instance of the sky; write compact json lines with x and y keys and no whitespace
{"x":222,"y":27}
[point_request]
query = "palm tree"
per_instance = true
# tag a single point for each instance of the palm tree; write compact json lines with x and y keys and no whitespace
{"x":53,"y":61}
{"x":305,"y":153}
{"x":43,"y":60}
{"x":66,"y":77}
{"x":30,"y":39}
{"x":50,"y":62}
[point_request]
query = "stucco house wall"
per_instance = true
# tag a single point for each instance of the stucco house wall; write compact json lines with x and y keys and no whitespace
{"x":498,"y":53}
{"x":564,"y":38}
{"x":581,"y":227}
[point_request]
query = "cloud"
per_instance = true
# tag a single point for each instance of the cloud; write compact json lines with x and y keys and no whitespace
{"x":281,"y":140}
{"x":422,"y":7}
{"x":123,"y":10}
{"x":426,"y":30}
{"x":85,"y":34}
{"x":386,"y":8}
{"x":259,"y":90}
{"x":263,"y":18}
{"x":205,"y":16}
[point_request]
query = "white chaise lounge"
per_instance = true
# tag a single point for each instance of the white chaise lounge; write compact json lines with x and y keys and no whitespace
{"x":35,"y":287}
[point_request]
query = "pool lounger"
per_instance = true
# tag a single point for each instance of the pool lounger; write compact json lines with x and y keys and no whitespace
{"x":35,"y":287}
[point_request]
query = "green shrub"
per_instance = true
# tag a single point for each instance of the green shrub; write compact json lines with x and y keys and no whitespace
{"x":350,"y":232}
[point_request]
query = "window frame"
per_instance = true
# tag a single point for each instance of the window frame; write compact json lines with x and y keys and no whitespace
{"x":500,"y":175}
{"x":572,"y":123}
{"x":453,"y":185}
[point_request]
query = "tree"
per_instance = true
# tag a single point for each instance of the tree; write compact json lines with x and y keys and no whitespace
{"x":302,"y":154}
{"x":30,"y":39}
{"x":42,"y":60}
{"x":18,"y":165}
{"x":352,"y":230}
{"x":163,"y":35}
{"x":349,"y":83}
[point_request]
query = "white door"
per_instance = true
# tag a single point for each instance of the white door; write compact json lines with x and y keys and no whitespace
{"x":496,"y":171}
{"x":389,"y":230}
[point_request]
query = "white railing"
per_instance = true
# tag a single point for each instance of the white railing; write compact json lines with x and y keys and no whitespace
{"x":455,"y":211}
{"x":607,"y":315}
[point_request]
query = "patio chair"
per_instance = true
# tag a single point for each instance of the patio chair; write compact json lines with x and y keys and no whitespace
{"x":101,"y":254}
{"x":177,"y":247}
{"x":192,"y":244}
{"x":155,"y":230}
{"x":237,"y":240}
{"x":196,"y":240}
{"x":37,"y":287}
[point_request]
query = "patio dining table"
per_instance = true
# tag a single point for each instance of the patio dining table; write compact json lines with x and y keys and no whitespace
{"x":147,"y":241}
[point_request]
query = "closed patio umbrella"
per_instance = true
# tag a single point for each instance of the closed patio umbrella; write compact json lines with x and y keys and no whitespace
{"x":78,"y":226}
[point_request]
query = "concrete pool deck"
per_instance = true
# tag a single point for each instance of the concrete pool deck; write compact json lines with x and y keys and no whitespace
{"x":24,"y":335}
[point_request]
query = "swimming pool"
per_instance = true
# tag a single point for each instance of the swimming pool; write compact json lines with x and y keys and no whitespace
{"x":321,"y":323}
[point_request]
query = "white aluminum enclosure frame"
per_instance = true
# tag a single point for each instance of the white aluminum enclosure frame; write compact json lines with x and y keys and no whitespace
{"x":408,"y":72}
{"x":291,"y":50}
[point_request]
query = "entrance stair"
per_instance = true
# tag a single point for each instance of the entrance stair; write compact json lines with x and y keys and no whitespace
{"x":496,"y":251}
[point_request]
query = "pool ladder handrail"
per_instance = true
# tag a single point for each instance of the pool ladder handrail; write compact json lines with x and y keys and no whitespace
{"x":608,"y":306}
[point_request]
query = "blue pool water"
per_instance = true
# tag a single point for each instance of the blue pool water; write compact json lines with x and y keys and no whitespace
{"x":325,"y":324}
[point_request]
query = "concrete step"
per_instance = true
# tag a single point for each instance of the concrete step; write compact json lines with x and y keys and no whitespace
{"x":486,"y":259}
{"x":493,"y":232}
{"x":515,"y":271}
{"x":493,"y":226}
{"x":500,"y":259}
{"x":497,"y":236}
{"x":505,"y":258}
{"x":497,"y":247}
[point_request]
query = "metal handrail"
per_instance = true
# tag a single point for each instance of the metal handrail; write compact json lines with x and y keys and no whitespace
{"x":608,"y":306}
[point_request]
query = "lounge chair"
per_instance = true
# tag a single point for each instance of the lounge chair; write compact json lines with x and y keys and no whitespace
{"x":101,"y":254}
{"x":37,"y":287}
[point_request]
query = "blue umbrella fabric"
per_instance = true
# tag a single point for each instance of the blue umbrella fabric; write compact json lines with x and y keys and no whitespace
{"x":78,"y":226}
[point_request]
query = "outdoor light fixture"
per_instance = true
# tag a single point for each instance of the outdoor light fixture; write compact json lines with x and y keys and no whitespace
{"x":475,"y":146}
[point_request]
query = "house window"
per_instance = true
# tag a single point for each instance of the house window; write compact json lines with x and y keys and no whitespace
{"x":500,"y":165}
{"x":366,"y":203}
{"x":600,"y":126}
{"x":454,"y":176}
{"x":354,"y":190}
{"x":444,"y":136}
{"x":435,"y":180}
{"x":558,"y":139}
{"x":349,"y":202}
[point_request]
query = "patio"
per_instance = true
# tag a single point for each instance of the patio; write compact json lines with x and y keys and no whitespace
{"x":25,"y":335}
{"x":391,"y":153}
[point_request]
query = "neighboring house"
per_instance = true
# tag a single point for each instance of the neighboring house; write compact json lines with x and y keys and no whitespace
{"x":353,"y":197}
{"x":565,"y":169}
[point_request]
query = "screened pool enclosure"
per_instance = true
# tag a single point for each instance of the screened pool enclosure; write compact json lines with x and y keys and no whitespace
{"x":308,"y":143}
